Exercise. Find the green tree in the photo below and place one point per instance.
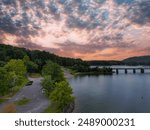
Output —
(54, 70)
(17, 66)
(4, 87)
(31, 66)
(48, 84)
(26, 59)
(62, 95)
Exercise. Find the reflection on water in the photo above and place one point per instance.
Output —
(117, 93)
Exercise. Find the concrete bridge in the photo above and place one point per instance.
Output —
(142, 69)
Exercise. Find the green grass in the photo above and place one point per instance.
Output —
(51, 109)
(3, 100)
(73, 72)
(22, 102)
(34, 75)
(13, 91)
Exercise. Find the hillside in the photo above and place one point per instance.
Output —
(40, 58)
(142, 60)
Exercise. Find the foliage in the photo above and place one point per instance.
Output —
(22, 101)
(3, 81)
(48, 84)
(2, 63)
(62, 95)
(31, 66)
(56, 87)
(12, 76)
(17, 66)
(39, 58)
(9, 108)
(54, 70)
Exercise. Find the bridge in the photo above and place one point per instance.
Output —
(142, 69)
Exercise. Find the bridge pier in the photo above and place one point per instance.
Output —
(117, 71)
(142, 70)
(134, 71)
(126, 71)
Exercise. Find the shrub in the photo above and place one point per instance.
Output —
(9, 108)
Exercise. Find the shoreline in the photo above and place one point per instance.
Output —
(70, 107)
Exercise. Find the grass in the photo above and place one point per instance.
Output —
(34, 75)
(17, 88)
(9, 108)
(73, 72)
(22, 101)
(51, 109)
(13, 91)
(3, 100)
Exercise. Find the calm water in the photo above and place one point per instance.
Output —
(116, 93)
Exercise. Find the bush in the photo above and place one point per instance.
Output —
(9, 108)
(54, 70)
(48, 84)
(22, 101)
(62, 95)
(17, 66)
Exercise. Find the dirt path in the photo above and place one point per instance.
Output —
(67, 74)
(33, 92)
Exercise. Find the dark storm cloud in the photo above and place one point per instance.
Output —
(139, 12)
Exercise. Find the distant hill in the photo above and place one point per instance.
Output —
(141, 60)
(144, 60)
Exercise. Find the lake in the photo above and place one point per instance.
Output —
(112, 93)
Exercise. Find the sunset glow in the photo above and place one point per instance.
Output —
(86, 29)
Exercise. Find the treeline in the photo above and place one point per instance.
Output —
(37, 58)
(56, 87)
(104, 63)
(129, 61)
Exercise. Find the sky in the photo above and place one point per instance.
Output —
(86, 29)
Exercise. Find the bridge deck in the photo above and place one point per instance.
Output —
(131, 68)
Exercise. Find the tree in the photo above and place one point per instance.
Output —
(54, 70)
(48, 84)
(17, 66)
(26, 59)
(62, 95)
(7, 81)
(3, 81)
(32, 67)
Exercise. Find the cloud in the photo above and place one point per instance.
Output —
(124, 1)
(78, 28)
(140, 12)
(9, 2)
